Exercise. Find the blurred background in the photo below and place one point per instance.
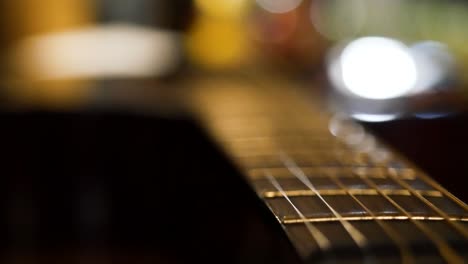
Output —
(372, 57)
(397, 66)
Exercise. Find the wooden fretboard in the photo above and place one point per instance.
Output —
(338, 192)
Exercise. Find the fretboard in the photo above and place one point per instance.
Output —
(337, 191)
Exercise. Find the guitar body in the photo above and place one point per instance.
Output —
(120, 185)
(116, 187)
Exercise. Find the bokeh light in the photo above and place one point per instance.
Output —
(217, 44)
(97, 52)
(372, 118)
(338, 19)
(378, 68)
(218, 39)
(279, 6)
(225, 9)
(435, 65)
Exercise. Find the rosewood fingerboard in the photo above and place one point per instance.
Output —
(337, 191)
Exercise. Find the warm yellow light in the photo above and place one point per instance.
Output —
(59, 94)
(223, 8)
(32, 17)
(218, 44)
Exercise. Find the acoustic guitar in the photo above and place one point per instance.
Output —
(248, 170)
(339, 194)
(213, 169)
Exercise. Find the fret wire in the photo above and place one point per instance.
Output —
(322, 241)
(455, 225)
(291, 137)
(376, 217)
(242, 141)
(372, 172)
(250, 167)
(251, 154)
(355, 234)
(402, 245)
(332, 192)
(446, 251)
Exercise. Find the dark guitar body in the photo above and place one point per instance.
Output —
(115, 187)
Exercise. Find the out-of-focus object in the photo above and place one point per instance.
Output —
(217, 44)
(57, 52)
(247, 34)
(113, 50)
(227, 9)
(444, 22)
(60, 42)
(173, 15)
(337, 19)
(395, 59)
(275, 6)
(379, 78)
(285, 37)
(435, 63)
(218, 39)
(23, 19)
(376, 68)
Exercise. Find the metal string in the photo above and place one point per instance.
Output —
(444, 248)
(406, 255)
(322, 241)
(461, 229)
(355, 234)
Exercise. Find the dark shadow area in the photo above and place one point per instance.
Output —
(111, 187)
(438, 146)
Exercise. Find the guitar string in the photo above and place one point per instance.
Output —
(444, 248)
(396, 204)
(421, 198)
(406, 255)
(432, 183)
(459, 228)
(355, 234)
(340, 218)
(441, 189)
(442, 245)
(322, 241)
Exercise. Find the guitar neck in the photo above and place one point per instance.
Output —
(336, 190)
